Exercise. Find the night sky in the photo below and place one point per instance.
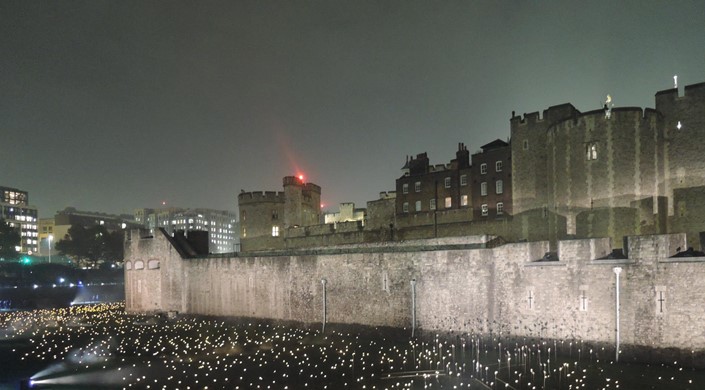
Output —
(114, 105)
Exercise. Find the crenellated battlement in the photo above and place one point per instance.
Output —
(673, 92)
(297, 181)
(292, 181)
(550, 115)
(312, 188)
(689, 91)
(618, 113)
(260, 196)
(526, 119)
(695, 90)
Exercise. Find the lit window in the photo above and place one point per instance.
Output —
(591, 150)
(463, 180)
(432, 204)
(483, 188)
(405, 207)
(449, 202)
(485, 210)
(417, 186)
(405, 188)
(418, 205)
(498, 166)
(275, 231)
(483, 168)
(499, 186)
(500, 208)
(447, 182)
(464, 200)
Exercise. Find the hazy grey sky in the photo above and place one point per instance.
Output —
(114, 105)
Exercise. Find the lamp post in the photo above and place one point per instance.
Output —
(325, 308)
(617, 271)
(413, 307)
(49, 238)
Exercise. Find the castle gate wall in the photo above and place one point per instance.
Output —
(470, 290)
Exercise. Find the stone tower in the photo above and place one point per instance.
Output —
(302, 204)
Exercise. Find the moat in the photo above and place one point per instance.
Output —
(100, 346)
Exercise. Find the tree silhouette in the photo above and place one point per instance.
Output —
(91, 245)
(9, 240)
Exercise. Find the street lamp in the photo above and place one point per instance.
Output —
(617, 271)
(49, 238)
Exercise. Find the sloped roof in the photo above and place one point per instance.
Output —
(498, 143)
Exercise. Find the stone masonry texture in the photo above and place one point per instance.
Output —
(460, 286)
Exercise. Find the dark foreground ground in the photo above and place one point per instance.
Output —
(100, 347)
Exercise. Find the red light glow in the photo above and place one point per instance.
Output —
(301, 177)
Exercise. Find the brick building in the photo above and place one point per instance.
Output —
(491, 175)
(432, 194)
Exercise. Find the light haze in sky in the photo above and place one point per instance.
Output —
(115, 105)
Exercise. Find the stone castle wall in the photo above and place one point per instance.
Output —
(459, 286)
(685, 151)
(626, 164)
(639, 154)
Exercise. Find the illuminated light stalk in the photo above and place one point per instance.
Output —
(413, 307)
(325, 311)
(49, 238)
(617, 271)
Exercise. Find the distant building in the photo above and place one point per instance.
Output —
(59, 226)
(222, 226)
(112, 222)
(347, 213)
(71, 216)
(19, 214)
(46, 230)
